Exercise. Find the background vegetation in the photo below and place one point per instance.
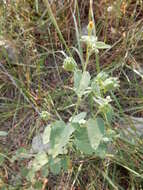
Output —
(33, 36)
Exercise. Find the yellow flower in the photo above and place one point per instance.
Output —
(91, 24)
(90, 27)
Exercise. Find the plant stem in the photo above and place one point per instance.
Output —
(97, 63)
(79, 169)
(77, 105)
(53, 19)
(87, 58)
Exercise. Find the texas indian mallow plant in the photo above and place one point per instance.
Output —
(87, 134)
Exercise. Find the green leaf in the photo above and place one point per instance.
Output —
(76, 126)
(40, 160)
(95, 88)
(77, 79)
(38, 185)
(24, 171)
(81, 82)
(45, 171)
(104, 82)
(78, 118)
(105, 108)
(110, 83)
(95, 130)
(82, 141)
(101, 151)
(46, 134)
(108, 111)
(60, 135)
(88, 39)
(55, 165)
(3, 133)
(110, 135)
(31, 174)
(21, 154)
(65, 163)
(102, 76)
(102, 45)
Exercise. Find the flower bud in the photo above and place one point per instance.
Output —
(90, 27)
(69, 64)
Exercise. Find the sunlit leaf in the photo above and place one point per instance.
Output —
(46, 134)
(102, 45)
(108, 111)
(78, 118)
(40, 160)
(110, 84)
(81, 82)
(95, 88)
(104, 83)
(101, 151)
(55, 165)
(66, 163)
(95, 130)
(82, 141)
(60, 135)
(89, 39)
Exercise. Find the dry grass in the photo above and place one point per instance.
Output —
(32, 80)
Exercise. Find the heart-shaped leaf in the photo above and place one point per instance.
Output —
(82, 141)
(95, 130)
(81, 82)
(55, 165)
(46, 134)
(59, 137)
(40, 160)
(78, 118)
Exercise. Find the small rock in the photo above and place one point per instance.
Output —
(137, 123)
(9, 48)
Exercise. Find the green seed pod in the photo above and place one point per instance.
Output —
(44, 115)
(69, 64)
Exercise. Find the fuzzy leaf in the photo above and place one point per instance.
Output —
(89, 39)
(46, 135)
(102, 45)
(95, 130)
(78, 118)
(101, 151)
(60, 135)
(82, 141)
(81, 82)
(40, 160)
(55, 165)
(95, 88)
